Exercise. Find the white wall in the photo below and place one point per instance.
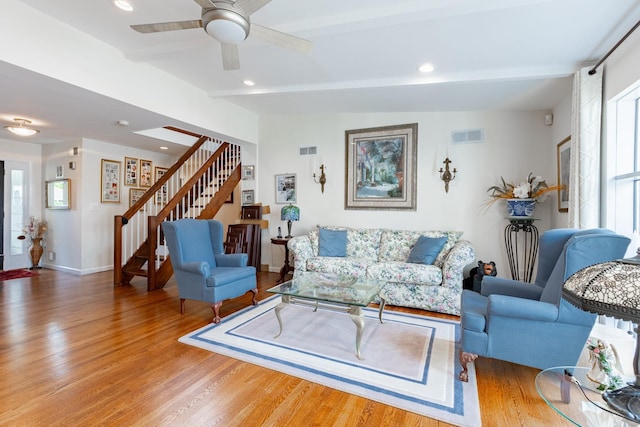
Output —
(82, 237)
(516, 143)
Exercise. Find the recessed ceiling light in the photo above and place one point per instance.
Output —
(125, 5)
(164, 148)
(426, 68)
(248, 82)
(22, 130)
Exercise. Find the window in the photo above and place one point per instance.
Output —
(622, 211)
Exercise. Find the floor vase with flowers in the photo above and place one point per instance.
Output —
(36, 252)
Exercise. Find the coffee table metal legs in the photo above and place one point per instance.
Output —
(355, 313)
(278, 309)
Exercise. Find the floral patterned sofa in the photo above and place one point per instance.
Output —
(382, 254)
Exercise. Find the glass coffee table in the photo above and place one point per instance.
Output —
(331, 292)
(571, 397)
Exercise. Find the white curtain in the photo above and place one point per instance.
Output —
(584, 178)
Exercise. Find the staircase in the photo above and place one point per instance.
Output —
(196, 186)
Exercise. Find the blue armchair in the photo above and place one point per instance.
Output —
(203, 271)
(531, 324)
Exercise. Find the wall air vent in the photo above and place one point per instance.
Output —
(469, 136)
(307, 151)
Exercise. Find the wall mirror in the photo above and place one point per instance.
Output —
(58, 194)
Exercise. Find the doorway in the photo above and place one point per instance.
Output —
(14, 205)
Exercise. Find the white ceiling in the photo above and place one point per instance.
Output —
(492, 54)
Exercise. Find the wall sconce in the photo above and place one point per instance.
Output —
(446, 174)
(323, 178)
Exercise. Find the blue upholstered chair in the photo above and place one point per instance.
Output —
(202, 269)
(531, 324)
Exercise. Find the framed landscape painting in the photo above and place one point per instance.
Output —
(381, 167)
(564, 164)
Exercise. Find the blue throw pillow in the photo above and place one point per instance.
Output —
(426, 250)
(332, 243)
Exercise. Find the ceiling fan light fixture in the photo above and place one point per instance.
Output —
(22, 130)
(226, 26)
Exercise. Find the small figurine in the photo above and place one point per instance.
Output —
(474, 281)
(279, 233)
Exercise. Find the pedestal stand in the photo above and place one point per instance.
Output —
(521, 241)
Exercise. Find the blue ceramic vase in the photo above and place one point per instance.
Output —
(521, 207)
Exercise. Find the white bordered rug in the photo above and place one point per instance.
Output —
(410, 361)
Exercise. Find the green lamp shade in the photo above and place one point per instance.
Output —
(290, 213)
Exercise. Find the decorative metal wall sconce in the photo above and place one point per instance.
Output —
(323, 178)
(446, 174)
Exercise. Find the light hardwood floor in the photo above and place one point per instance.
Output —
(77, 351)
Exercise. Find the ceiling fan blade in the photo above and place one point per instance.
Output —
(250, 6)
(284, 40)
(230, 57)
(205, 4)
(167, 26)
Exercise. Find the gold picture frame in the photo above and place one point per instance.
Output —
(146, 173)
(162, 195)
(131, 171)
(381, 167)
(135, 194)
(110, 181)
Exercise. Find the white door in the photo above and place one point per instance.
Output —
(16, 208)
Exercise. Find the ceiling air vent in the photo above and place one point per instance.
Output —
(469, 136)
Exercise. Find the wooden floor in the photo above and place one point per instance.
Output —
(77, 351)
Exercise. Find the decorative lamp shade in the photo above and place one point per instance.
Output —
(290, 213)
(613, 289)
(609, 288)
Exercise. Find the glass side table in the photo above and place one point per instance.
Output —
(581, 405)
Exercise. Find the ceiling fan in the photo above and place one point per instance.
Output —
(228, 22)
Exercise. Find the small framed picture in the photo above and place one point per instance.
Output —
(130, 171)
(286, 188)
(146, 173)
(247, 197)
(162, 195)
(110, 181)
(135, 194)
(248, 172)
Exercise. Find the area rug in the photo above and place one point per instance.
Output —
(16, 274)
(410, 361)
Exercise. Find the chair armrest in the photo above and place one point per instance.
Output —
(497, 285)
(202, 268)
(232, 260)
(460, 255)
(508, 306)
(300, 248)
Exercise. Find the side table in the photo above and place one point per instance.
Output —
(582, 407)
(523, 249)
(286, 268)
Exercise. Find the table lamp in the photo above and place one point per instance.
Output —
(613, 289)
(290, 213)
